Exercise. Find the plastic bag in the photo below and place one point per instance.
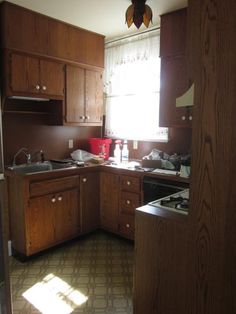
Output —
(81, 155)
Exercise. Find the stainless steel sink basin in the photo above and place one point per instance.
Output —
(39, 167)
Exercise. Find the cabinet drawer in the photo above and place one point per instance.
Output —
(129, 201)
(53, 185)
(126, 226)
(130, 184)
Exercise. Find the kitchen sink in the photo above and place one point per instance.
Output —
(39, 167)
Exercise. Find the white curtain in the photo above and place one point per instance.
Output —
(132, 81)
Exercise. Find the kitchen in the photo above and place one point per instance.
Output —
(204, 165)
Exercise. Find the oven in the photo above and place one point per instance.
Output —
(156, 188)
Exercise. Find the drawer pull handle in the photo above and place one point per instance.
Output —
(128, 183)
(84, 179)
(59, 198)
(128, 202)
(44, 87)
(53, 200)
(37, 87)
(183, 118)
(127, 225)
(190, 118)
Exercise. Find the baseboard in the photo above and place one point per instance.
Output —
(9, 248)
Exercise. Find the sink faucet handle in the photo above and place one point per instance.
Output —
(42, 156)
(28, 156)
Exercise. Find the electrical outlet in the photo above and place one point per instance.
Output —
(71, 143)
(135, 144)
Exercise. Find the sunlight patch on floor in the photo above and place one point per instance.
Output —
(54, 295)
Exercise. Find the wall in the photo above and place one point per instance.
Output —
(31, 131)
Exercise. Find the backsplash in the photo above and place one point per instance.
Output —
(28, 130)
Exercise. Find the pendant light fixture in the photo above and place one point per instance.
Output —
(138, 12)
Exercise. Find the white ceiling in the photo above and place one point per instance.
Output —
(106, 17)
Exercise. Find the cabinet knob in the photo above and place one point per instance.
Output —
(84, 180)
(128, 202)
(183, 118)
(59, 198)
(128, 183)
(53, 200)
(37, 87)
(127, 225)
(190, 118)
(44, 87)
(87, 117)
(82, 117)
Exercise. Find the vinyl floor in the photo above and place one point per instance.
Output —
(91, 275)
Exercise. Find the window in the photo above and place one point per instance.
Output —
(132, 82)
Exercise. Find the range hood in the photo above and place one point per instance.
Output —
(186, 100)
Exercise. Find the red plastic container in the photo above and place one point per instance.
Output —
(100, 146)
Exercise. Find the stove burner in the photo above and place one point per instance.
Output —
(177, 202)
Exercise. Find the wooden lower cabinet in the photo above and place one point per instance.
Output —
(109, 201)
(160, 264)
(89, 201)
(43, 212)
(120, 195)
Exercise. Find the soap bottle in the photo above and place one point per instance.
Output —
(117, 151)
(125, 152)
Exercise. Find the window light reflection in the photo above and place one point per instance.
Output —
(53, 295)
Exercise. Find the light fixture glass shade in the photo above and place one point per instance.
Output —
(138, 12)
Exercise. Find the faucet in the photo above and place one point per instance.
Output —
(24, 151)
(38, 152)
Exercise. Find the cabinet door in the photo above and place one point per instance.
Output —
(89, 187)
(23, 29)
(109, 201)
(24, 74)
(173, 33)
(51, 78)
(40, 224)
(174, 82)
(67, 215)
(94, 97)
(75, 94)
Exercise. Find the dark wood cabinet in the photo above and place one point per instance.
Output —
(160, 263)
(109, 201)
(89, 201)
(23, 29)
(175, 78)
(46, 212)
(130, 199)
(174, 82)
(33, 76)
(31, 32)
(84, 96)
(119, 195)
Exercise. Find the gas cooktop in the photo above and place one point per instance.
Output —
(178, 202)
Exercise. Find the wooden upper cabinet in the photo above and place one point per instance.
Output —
(28, 76)
(175, 78)
(84, 96)
(173, 33)
(23, 29)
(93, 96)
(75, 94)
(51, 77)
(174, 82)
(31, 32)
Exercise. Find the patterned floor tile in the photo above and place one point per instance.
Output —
(98, 267)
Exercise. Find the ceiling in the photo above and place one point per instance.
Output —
(106, 17)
